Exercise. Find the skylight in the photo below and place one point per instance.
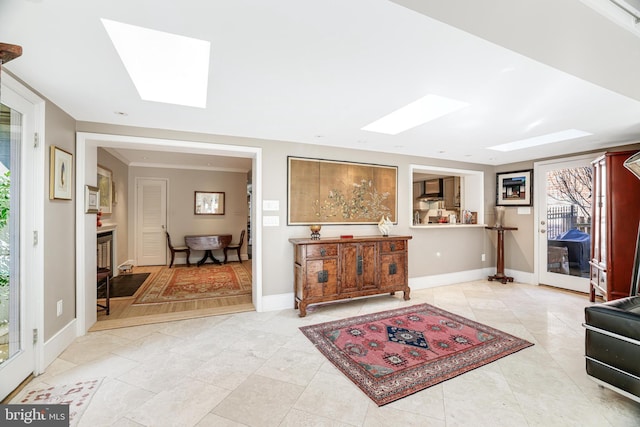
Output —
(164, 67)
(425, 109)
(549, 138)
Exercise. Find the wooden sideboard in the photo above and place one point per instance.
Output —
(332, 269)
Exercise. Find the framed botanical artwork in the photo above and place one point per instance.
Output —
(208, 203)
(105, 186)
(60, 174)
(91, 199)
(336, 192)
(514, 188)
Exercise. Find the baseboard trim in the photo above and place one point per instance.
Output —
(426, 282)
(53, 347)
(285, 301)
(277, 302)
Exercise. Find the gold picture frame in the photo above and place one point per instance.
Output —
(105, 185)
(338, 192)
(60, 174)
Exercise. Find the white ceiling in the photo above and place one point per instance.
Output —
(317, 71)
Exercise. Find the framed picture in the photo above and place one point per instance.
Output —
(209, 203)
(337, 192)
(514, 188)
(60, 174)
(91, 199)
(105, 180)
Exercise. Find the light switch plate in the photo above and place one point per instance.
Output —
(270, 221)
(271, 205)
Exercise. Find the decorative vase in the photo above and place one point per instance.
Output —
(315, 231)
(499, 211)
(384, 226)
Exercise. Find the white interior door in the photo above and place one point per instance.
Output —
(151, 221)
(19, 193)
(563, 214)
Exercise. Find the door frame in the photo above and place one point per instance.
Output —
(32, 178)
(87, 144)
(538, 194)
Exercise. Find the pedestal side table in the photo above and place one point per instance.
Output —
(500, 276)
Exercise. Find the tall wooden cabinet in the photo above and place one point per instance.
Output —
(616, 214)
(333, 269)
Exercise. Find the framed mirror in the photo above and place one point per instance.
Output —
(209, 203)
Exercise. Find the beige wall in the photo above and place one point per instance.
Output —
(181, 220)
(119, 214)
(59, 230)
(460, 249)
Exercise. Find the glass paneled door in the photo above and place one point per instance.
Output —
(17, 356)
(563, 199)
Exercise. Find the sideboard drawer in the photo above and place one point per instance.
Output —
(392, 246)
(322, 251)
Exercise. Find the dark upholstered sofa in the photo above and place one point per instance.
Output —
(612, 345)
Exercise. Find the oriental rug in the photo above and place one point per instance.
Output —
(395, 353)
(77, 396)
(192, 283)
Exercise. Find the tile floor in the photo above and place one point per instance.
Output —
(257, 369)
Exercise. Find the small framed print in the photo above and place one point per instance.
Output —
(105, 184)
(514, 188)
(60, 174)
(209, 203)
(91, 199)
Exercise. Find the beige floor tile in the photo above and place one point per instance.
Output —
(386, 416)
(296, 418)
(292, 366)
(113, 399)
(213, 420)
(259, 401)
(335, 397)
(228, 369)
(258, 369)
(183, 405)
(160, 372)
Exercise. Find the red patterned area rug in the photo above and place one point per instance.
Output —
(77, 396)
(395, 353)
(191, 283)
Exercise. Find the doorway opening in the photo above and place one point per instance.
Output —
(87, 159)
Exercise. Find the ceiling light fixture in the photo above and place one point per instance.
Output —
(421, 111)
(164, 67)
(549, 138)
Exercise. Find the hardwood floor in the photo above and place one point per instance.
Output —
(123, 313)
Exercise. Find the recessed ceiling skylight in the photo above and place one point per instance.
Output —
(541, 140)
(164, 67)
(423, 110)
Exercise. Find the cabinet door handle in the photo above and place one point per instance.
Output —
(393, 268)
(323, 276)
(323, 252)
(359, 265)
